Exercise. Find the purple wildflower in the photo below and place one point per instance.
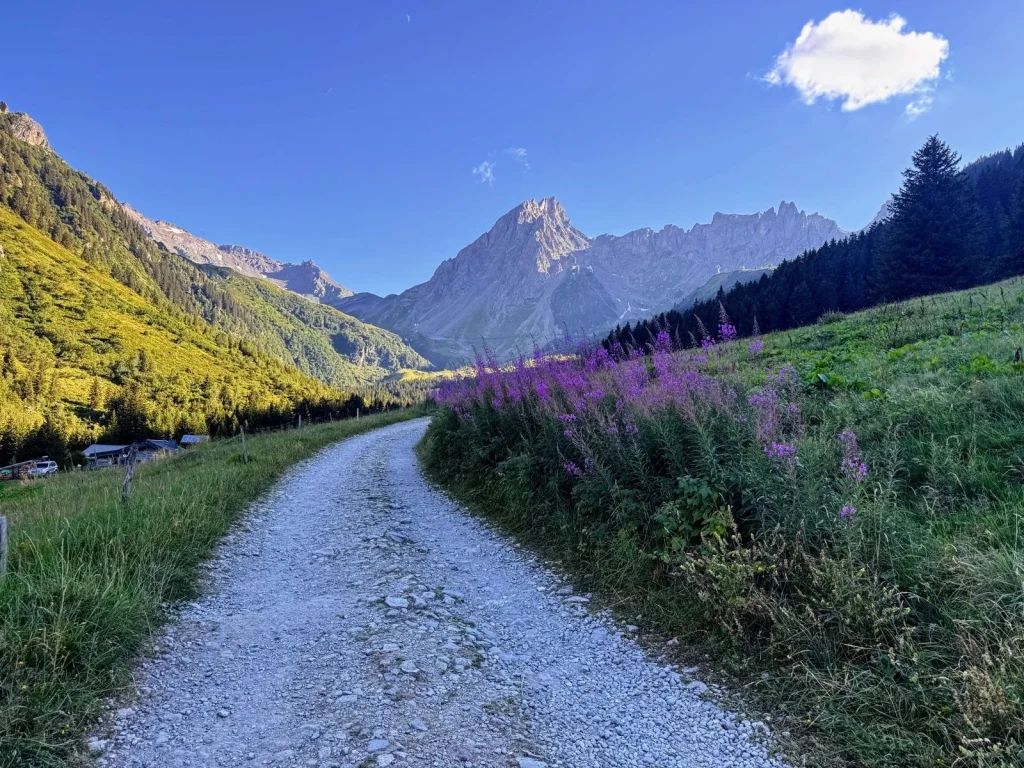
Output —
(756, 347)
(847, 512)
(572, 468)
(853, 465)
(782, 451)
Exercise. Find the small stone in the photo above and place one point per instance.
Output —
(162, 738)
(566, 590)
(377, 745)
(409, 667)
(529, 762)
(96, 746)
(696, 686)
(418, 725)
(577, 599)
(393, 601)
(223, 713)
(385, 759)
(125, 712)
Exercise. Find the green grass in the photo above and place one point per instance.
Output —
(89, 576)
(893, 639)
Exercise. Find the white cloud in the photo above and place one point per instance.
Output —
(847, 56)
(918, 107)
(519, 155)
(485, 173)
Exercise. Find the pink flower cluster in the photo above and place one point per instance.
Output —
(594, 394)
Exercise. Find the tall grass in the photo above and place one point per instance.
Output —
(89, 576)
(840, 506)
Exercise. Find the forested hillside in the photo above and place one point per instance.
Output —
(105, 335)
(949, 229)
(82, 215)
(83, 356)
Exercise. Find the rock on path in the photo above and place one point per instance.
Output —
(360, 618)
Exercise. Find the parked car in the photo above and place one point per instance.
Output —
(43, 468)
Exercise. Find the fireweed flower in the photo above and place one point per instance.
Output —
(727, 332)
(572, 468)
(847, 512)
(756, 347)
(780, 451)
(853, 465)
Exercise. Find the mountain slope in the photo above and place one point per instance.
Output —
(305, 279)
(82, 215)
(723, 281)
(534, 276)
(75, 342)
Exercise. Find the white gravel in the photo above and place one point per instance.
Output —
(360, 618)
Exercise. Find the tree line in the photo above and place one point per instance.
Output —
(949, 228)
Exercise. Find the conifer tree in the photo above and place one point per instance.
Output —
(933, 240)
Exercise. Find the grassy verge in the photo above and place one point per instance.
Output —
(89, 576)
(845, 534)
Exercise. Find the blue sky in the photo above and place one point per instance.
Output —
(349, 132)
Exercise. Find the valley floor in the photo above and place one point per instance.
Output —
(360, 618)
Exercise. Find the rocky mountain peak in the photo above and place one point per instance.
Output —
(23, 127)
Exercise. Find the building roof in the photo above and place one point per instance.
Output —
(160, 445)
(99, 449)
(193, 439)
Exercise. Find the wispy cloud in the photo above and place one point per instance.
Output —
(485, 173)
(848, 57)
(519, 155)
(918, 107)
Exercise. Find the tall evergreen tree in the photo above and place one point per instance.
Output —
(934, 240)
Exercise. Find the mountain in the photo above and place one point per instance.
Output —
(534, 277)
(948, 228)
(88, 300)
(723, 281)
(305, 279)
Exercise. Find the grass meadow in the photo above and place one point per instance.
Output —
(89, 576)
(835, 514)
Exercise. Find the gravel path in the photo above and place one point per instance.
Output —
(360, 618)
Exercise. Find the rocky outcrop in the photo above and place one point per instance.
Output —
(534, 277)
(24, 128)
(305, 279)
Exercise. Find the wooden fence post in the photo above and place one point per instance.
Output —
(126, 489)
(357, 413)
(3, 545)
(300, 425)
(245, 449)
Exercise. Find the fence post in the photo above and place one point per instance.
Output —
(245, 449)
(126, 489)
(357, 413)
(300, 425)
(3, 545)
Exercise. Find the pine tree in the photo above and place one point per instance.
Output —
(933, 242)
(96, 395)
